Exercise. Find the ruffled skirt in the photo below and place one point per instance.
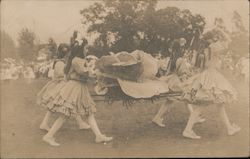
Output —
(49, 92)
(208, 87)
(74, 98)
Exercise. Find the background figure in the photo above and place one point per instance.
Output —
(52, 47)
(176, 50)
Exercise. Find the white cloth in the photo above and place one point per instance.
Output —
(150, 64)
(146, 89)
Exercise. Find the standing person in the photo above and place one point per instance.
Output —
(209, 87)
(181, 69)
(50, 90)
(176, 51)
(52, 47)
(74, 98)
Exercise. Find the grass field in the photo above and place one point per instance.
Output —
(134, 134)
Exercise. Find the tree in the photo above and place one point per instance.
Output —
(26, 48)
(171, 23)
(126, 25)
(240, 40)
(8, 48)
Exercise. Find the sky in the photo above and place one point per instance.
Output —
(59, 18)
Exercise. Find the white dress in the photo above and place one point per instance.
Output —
(210, 86)
(53, 87)
(74, 97)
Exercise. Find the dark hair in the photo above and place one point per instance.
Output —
(175, 54)
(60, 52)
(200, 60)
(76, 51)
(84, 41)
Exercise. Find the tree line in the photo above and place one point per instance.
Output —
(127, 25)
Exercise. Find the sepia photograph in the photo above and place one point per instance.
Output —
(124, 78)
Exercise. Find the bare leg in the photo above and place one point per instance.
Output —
(82, 124)
(199, 118)
(188, 131)
(231, 128)
(44, 125)
(158, 119)
(190, 108)
(99, 136)
(49, 137)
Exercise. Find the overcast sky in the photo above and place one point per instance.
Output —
(58, 18)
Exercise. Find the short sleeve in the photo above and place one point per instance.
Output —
(79, 65)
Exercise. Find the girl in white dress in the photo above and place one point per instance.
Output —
(51, 89)
(74, 98)
(176, 81)
(209, 86)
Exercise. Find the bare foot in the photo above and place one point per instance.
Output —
(234, 129)
(190, 134)
(159, 122)
(103, 138)
(44, 127)
(50, 140)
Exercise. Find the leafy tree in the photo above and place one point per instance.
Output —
(126, 25)
(26, 49)
(172, 23)
(8, 48)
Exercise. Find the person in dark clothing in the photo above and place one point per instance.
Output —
(52, 47)
(73, 41)
(176, 51)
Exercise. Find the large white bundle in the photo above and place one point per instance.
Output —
(147, 89)
(148, 86)
(149, 63)
(137, 65)
(121, 65)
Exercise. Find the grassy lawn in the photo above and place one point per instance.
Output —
(134, 134)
